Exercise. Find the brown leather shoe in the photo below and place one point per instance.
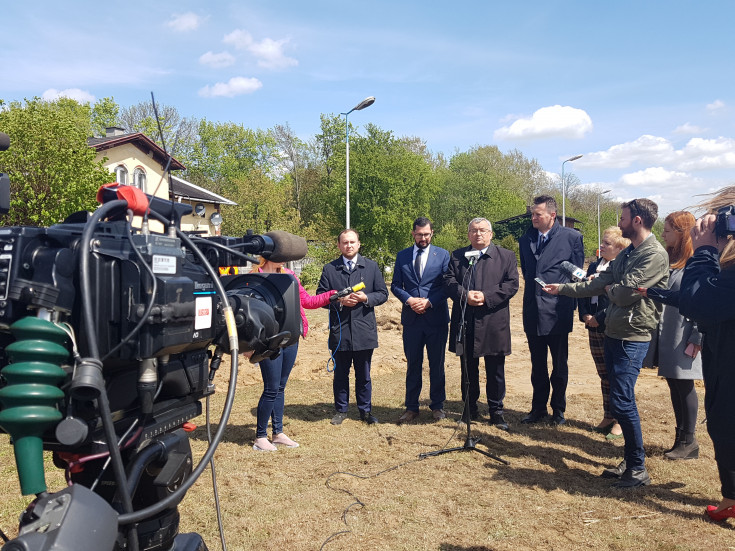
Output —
(438, 414)
(407, 417)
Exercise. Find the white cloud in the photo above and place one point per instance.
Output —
(236, 86)
(239, 39)
(705, 154)
(184, 22)
(556, 120)
(74, 93)
(715, 105)
(221, 59)
(687, 128)
(646, 149)
(269, 53)
(670, 189)
(654, 176)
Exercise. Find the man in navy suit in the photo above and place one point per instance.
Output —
(548, 319)
(418, 282)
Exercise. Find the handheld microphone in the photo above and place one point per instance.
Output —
(347, 290)
(472, 256)
(4, 141)
(575, 273)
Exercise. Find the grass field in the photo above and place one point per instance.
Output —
(364, 487)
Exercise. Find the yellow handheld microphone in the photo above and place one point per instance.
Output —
(346, 291)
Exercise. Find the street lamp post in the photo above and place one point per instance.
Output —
(598, 219)
(367, 102)
(564, 191)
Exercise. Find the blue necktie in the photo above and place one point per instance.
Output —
(417, 264)
(349, 265)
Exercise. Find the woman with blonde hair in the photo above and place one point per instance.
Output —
(275, 372)
(707, 295)
(592, 313)
(679, 341)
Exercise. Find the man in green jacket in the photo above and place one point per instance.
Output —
(629, 321)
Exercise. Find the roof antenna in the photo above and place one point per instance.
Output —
(166, 170)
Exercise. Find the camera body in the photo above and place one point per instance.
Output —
(157, 354)
(725, 223)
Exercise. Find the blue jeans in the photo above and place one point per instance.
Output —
(275, 375)
(624, 360)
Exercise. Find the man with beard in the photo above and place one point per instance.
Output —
(629, 321)
(548, 320)
(418, 282)
(481, 280)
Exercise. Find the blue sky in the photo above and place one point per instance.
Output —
(644, 90)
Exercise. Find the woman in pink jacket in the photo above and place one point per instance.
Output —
(275, 372)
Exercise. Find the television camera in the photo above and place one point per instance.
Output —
(110, 337)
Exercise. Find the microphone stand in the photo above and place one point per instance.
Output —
(470, 442)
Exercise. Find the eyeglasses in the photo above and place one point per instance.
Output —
(423, 235)
(480, 231)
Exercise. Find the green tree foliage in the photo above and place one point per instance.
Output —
(482, 182)
(263, 205)
(105, 113)
(225, 153)
(52, 170)
(390, 185)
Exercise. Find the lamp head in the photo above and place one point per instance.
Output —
(367, 102)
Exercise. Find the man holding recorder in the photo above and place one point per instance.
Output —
(628, 324)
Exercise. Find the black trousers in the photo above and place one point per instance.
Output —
(494, 386)
(543, 383)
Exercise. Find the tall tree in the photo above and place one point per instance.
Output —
(390, 185)
(105, 113)
(292, 154)
(52, 170)
(481, 182)
(179, 133)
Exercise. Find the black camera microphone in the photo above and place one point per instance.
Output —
(575, 273)
(285, 247)
(473, 256)
(4, 141)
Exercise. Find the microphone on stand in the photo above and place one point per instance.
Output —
(472, 256)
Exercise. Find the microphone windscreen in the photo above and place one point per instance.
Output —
(4, 141)
(286, 247)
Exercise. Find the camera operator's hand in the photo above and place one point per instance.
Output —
(552, 288)
(703, 233)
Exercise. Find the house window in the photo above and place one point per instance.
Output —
(121, 175)
(139, 179)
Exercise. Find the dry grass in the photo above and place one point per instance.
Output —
(365, 488)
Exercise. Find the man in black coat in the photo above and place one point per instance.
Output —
(548, 319)
(353, 332)
(481, 280)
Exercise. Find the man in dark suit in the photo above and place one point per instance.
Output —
(481, 280)
(418, 282)
(548, 319)
(353, 332)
